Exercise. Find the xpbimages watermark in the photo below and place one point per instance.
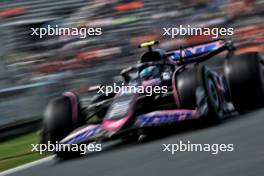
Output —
(192, 147)
(82, 32)
(183, 30)
(147, 90)
(58, 147)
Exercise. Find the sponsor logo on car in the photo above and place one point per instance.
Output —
(196, 50)
(160, 117)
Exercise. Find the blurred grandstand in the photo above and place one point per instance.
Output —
(57, 63)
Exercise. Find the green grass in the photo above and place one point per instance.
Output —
(17, 151)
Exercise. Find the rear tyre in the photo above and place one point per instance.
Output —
(200, 78)
(245, 75)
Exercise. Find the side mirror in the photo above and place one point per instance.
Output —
(94, 88)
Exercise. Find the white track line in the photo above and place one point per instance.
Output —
(25, 166)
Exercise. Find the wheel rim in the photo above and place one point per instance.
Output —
(213, 93)
(262, 75)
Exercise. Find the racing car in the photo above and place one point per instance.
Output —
(205, 82)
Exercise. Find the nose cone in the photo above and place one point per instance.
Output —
(114, 124)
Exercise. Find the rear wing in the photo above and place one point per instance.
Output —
(200, 52)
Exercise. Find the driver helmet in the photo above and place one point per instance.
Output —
(150, 72)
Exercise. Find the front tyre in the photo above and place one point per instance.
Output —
(63, 115)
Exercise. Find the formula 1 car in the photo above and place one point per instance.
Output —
(201, 84)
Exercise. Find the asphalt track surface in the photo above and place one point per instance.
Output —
(133, 159)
